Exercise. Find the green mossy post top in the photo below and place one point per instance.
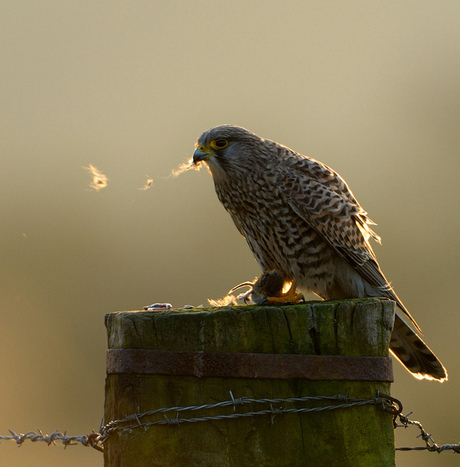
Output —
(347, 327)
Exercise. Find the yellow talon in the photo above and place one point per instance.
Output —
(287, 297)
(268, 289)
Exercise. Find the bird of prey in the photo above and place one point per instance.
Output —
(301, 219)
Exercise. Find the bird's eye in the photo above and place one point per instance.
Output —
(219, 143)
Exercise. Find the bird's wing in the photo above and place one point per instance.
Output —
(340, 224)
(320, 197)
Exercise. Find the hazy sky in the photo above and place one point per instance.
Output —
(370, 88)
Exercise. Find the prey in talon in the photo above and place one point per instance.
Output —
(268, 290)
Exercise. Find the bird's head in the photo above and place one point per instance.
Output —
(226, 148)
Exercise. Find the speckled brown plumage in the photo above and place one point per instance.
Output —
(300, 218)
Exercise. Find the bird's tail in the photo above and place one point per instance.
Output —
(414, 354)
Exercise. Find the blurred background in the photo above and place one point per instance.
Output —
(370, 88)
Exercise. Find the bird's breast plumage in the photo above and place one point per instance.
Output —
(278, 238)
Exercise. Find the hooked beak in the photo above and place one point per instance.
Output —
(202, 153)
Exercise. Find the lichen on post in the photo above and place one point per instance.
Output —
(182, 358)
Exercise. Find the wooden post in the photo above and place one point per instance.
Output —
(182, 358)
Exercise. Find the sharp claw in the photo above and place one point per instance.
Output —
(265, 287)
(288, 297)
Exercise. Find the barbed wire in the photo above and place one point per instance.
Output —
(133, 421)
(143, 420)
(86, 440)
(430, 444)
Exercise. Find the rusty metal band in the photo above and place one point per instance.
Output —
(249, 365)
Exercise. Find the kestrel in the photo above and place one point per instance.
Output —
(300, 218)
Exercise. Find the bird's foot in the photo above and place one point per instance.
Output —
(289, 297)
(268, 289)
